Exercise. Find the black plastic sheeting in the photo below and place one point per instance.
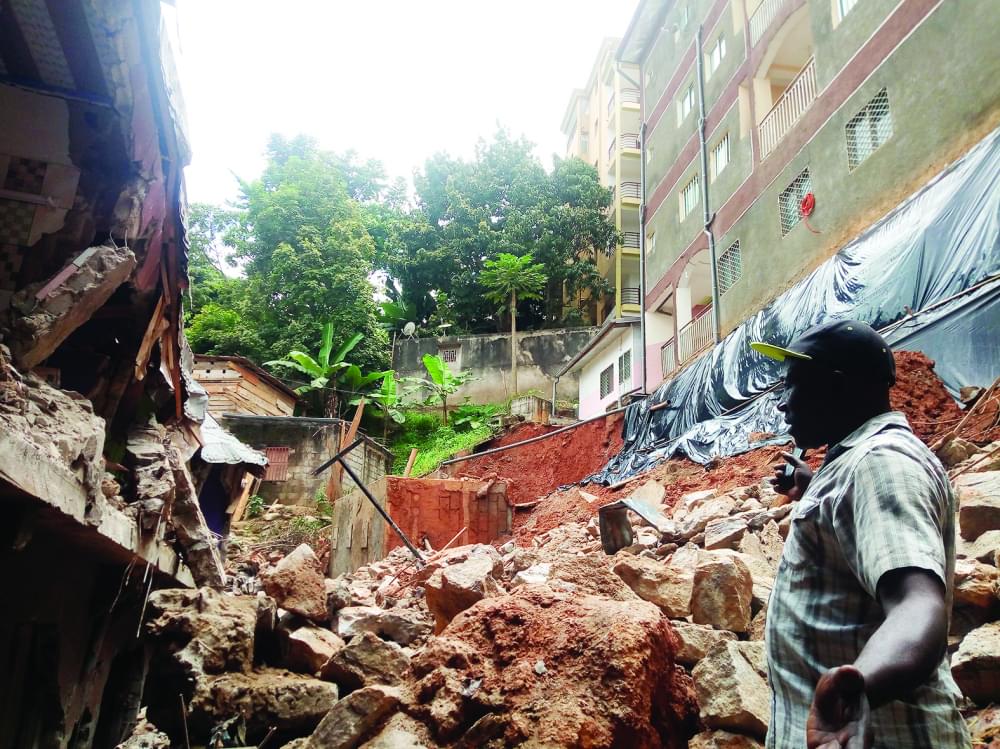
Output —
(936, 255)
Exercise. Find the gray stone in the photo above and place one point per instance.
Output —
(402, 626)
(348, 722)
(724, 533)
(296, 583)
(309, 647)
(365, 661)
(451, 590)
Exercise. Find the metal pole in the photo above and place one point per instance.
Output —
(708, 217)
(381, 511)
(338, 456)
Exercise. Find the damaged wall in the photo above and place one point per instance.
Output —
(310, 443)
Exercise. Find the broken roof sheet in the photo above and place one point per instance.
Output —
(219, 446)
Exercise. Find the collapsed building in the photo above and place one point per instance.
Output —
(111, 484)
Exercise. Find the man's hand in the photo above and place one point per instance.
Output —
(839, 715)
(795, 486)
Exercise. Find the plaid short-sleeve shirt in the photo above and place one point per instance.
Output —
(880, 502)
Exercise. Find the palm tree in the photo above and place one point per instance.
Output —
(507, 278)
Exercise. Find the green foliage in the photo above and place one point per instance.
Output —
(440, 382)
(386, 398)
(472, 416)
(434, 441)
(255, 507)
(324, 369)
(513, 276)
(323, 506)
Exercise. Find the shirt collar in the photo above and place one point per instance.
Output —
(874, 425)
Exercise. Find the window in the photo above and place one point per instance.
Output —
(720, 156)
(584, 143)
(689, 197)
(651, 244)
(450, 355)
(714, 57)
(685, 104)
(730, 267)
(607, 380)
(277, 463)
(685, 16)
(844, 6)
(625, 369)
(868, 129)
(790, 201)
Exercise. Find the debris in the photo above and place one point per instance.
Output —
(453, 588)
(697, 641)
(979, 503)
(349, 720)
(403, 626)
(669, 586)
(722, 591)
(309, 647)
(731, 692)
(296, 583)
(976, 665)
(367, 660)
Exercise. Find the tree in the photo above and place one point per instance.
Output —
(440, 381)
(507, 278)
(323, 370)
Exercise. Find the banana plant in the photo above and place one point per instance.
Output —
(386, 399)
(440, 381)
(323, 369)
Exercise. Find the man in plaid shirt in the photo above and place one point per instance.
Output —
(857, 622)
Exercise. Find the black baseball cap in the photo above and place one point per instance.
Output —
(848, 346)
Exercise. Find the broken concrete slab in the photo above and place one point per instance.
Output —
(366, 661)
(296, 583)
(976, 664)
(731, 692)
(345, 726)
(979, 503)
(722, 592)
(44, 323)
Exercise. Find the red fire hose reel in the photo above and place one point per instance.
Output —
(806, 207)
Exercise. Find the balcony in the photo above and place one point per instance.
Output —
(631, 96)
(763, 17)
(791, 105)
(630, 190)
(668, 358)
(630, 296)
(630, 240)
(696, 336)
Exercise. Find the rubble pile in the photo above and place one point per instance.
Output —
(545, 639)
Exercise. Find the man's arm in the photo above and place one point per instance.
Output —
(901, 654)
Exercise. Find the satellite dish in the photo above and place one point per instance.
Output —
(409, 329)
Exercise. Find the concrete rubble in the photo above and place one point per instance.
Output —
(550, 643)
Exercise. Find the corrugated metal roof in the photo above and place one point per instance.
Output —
(222, 447)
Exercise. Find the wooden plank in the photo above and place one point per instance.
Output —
(155, 328)
(409, 462)
(248, 491)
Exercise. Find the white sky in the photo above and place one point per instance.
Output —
(395, 80)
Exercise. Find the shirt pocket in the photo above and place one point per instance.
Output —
(801, 547)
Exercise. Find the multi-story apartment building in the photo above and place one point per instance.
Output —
(601, 124)
(773, 131)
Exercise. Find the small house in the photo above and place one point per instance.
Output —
(236, 385)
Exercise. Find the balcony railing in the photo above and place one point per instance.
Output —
(630, 295)
(668, 357)
(695, 336)
(762, 18)
(790, 106)
(628, 140)
(630, 96)
(631, 190)
(630, 239)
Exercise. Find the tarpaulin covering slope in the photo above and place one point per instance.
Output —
(942, 241)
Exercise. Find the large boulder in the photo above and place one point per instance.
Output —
(452, 589)
(732, 692)
(296, 583)
(266, 698)
(542, 667)
(590, 574)
(976, 584)
(345, 726)
(365, 661)
(698, 640)
(309, 647)
(667, 584)
(979, 503)
(401, 625)
(723, 588)
(983, 549)
(976, 665)
(216, 631)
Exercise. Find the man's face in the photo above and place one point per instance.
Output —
(810, 403)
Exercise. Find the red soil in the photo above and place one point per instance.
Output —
(918, 393)
(536, 469)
